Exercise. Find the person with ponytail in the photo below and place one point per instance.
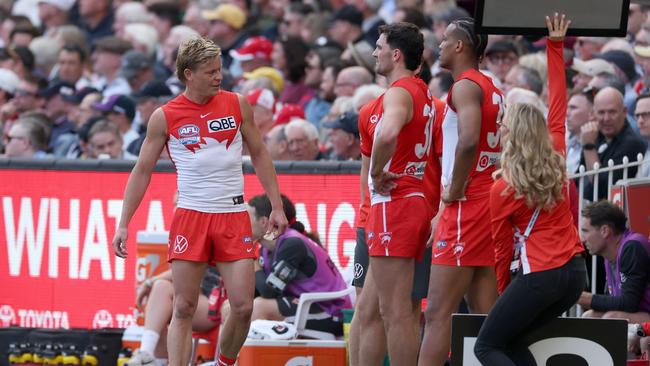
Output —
(290, 265)
(530, 197)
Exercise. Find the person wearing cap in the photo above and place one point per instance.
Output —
(625, 69)
(149, 98)
(106, 62)
(9, 82)
(60, 100)
(136, 68)
(105, 142)
(587, 70)
(54, 13)
(346, 25)
(501, 56)
(287, 112)
(70, 66)
(253, 54)
(343, 136)
(371, 18)
(95, 19)
(120, 110)
(263, 103)
(273, 75)
(226, 23)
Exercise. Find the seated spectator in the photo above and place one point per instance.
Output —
(26, 139)
(525, 78)
(440, 84)
(609, 137)
(150, 97)
(287, 113)
(642, 116)
(23, 34)
(54, 13)
(579, 107)
(194, 20)
(277, 144)
(289, 58)
(365, 94)
(155, 296)
(346, 26)
(95, 19)
(627, 264)
(9, 82)
(343, 136)
(226, 29)
(170, 45)
(253, 54)
(587, 70)
(129, 12)
(70, 66)
(625, 69)
(500, 57)
(143, 37)
(105, 142)
(136, 68)
(273, 75)
(289, 266)
(69, 145)
(349, 79)
(303, 142)
(61, 99)
(106, 62)
(120, 110)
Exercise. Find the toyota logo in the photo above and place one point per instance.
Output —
(180, 244)
(7, 316)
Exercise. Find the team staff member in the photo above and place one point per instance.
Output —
(398, 151)
(531, 198)
(203, 130)
(627, 265)
(463, 254)
(291, 265)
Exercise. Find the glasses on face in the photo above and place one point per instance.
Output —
(498, 59)
(9, 138)
(642, 115)
(24, 93)
(298, 142)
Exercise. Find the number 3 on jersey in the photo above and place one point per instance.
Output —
(493, 138)
(423, 149)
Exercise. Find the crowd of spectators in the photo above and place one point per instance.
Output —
(80, 78)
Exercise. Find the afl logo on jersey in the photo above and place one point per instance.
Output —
(189, 134)
(222, 124)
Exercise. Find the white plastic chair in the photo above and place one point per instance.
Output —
(302, 313)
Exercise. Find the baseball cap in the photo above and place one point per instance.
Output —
(113, 44)
(348, 122)
(502, 45)
(227, 13)
(622, 60)
(362, 54)
(261, 97)
(64, 5)
(117, 103)
(254, 47)
(267, 72)
(288, 112)
(592, 67)
(643, 51)
(64, 88)
(80, 94)
(133, 62)
(153, 89)
(348, 13)
(9, 81)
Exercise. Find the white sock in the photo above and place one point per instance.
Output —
(161, 361)
(149, 341)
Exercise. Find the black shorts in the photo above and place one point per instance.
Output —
(317, 318)
(420, 276)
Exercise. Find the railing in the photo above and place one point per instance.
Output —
(583, 174)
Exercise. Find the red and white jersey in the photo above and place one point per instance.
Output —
(413, 142)
(204, 142)
(480, 179)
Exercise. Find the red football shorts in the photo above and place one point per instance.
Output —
(210, 237)
(463, 236)
(398, 228)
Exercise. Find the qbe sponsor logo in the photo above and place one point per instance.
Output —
(222, 124)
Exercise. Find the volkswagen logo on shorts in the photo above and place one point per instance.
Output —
(102, 319)
(7, 316)
(180, 244)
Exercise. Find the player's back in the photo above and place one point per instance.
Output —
(489, 149)
(205, 145)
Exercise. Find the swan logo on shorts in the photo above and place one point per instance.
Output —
(180, 244)
(189, 134)
(385, 238)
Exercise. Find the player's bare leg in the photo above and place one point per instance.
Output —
(372, 344)
(447, 286)
(482, 292)
(186, 277)
(396, 278)
(239, 279)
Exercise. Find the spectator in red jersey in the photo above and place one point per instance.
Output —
(530, 198)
